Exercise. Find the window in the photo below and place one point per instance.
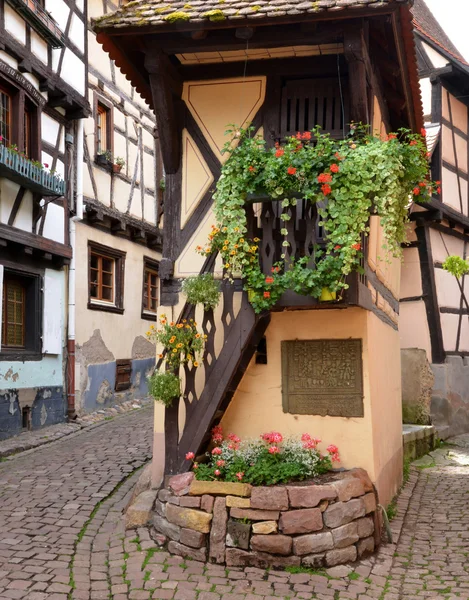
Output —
(21, 315)
(123, 374)
(27, 133)
(106, 278)
(150, 289)
(5, 117)
(103, 126)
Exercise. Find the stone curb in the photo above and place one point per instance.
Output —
(24, 447)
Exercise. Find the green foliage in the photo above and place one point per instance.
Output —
(164, 387)
(119, 161)
(347, 179)
(178, 16)
(181, 341)
(214, 15)
(107, 154)
(456, 265)
(202, 289)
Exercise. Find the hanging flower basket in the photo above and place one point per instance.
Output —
(347, 180)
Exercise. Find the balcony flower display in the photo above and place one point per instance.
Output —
(349, 180)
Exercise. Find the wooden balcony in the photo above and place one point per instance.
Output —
(23, 172)
(40, 20)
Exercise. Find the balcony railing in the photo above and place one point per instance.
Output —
(22, 171)
(40, 20)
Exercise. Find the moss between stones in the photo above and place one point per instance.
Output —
(215, 15)
(176, 17)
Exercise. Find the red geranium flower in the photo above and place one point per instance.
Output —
(422, 184)
(298, 136)
(325, 178)
(46, 165)
(307, 135)
(291, 170)
(423, 132)
(266, 294)
(280, 152)
(269, 279)
(438, 190)
(190, 456)
(252, 169)
(416, 191)
(217, 472)
(337, 155)
(274, 450)
(392, 136)
(413, 143)
(337, 247)
(356, 246)
(240, 475)
(334, 168)
(326, 189)
(217, 451)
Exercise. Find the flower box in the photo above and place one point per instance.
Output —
(40, 20)
(21, 170)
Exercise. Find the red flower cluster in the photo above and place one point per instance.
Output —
(275, 269)
(266, 294)
(356, 246)
(217, 434)
(391, 136)
(413, 143)
(334, 168)
(334, 452)
(190, 456)
(326, 189)
(280, 152)
(337, 247)
(252, 169)
(309, 443)
(274, 437)
(274, 450)
(291, 170)
(303, 136)
(269, 279)
(240, 475)
(217, 451)
(325, 178)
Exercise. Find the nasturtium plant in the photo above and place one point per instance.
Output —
(164, 387)
(351, 178)
(456, 265)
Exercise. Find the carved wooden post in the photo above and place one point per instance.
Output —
(354, 49)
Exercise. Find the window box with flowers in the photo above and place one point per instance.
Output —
(31, 174)
(344, 180)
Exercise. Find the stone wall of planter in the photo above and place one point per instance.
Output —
(241, 525)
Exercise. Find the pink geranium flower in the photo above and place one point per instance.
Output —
(274, 450)
(217, 451)
(190, 456)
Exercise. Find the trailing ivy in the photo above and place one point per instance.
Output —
(352, 179)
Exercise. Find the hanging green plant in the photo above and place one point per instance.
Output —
(353, 178)
(202, 289)
(456, 265)
(164, 387)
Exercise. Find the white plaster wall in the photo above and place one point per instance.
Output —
(97, 57)
(77, 32)
(14, 24)
(435, 57)
(54, 223)
(73, 71)
(39, 47)
(59, 11)
(8, 59)
(426, 94)
(49, 129)
(24, 218)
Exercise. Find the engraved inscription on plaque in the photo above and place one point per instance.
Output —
(322, 377)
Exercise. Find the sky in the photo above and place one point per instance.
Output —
(453, 16)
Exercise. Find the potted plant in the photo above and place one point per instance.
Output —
(104, 158)
(119, 162)
(202, 289)
(165, 387)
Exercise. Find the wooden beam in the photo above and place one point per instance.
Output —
(31, 240)
(354, 49)
(163, 79)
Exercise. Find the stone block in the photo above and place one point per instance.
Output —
(238, 535)
(206, 503)
(218, 531)
(362, 475)
(261, 560)
(313, 543)
(160, 508)
(345, 535)
(342, 513)
(199, 554)
(314, 561)
(164, 495)
(192, 538)
(189, 502)
(168, 529)
(189, 518)
(349, 488)
(365, 527)
(365, 547)
(238, 502)
(273, 544)
(140, 512)
(269, 498)
(220, 488)
(341, 556)
(310, 496)
(181, 483)
(265, 527)
(254, 515)
(417, 385)
(301, 521)
(370, 502)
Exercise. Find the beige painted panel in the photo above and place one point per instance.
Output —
(118, 331)
(443, 244)
(149, 208)
(411, 236)
(447, 289)
(461, 152)
(411, 275)
(121, 194)
(98, 58)
(458, 111)
(216, 104)
(386, 406)
(103, 185)
(149, 170)
(196, 177)
(378, 126)
(450, 189)
(259, 394)
(413, 327)
(464, 340)
(387, 268)
(449, 325)
(447, 151)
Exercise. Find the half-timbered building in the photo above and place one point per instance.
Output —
(43, 87)
(434, 304)
(118, 243)
(283, 66)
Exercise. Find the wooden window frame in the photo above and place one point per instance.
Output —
(20, 103)
(117, 306)
(123, 367)
(149, 264)
(33, 284)
(99, 101)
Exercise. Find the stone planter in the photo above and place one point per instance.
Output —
(314, 525)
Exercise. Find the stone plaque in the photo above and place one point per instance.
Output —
(237, 535)
(322, 377)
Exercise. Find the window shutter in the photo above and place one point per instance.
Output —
(1, 304)
(52, 321)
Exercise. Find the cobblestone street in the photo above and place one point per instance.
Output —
(62, 534)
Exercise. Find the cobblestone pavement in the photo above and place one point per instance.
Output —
(62, 535)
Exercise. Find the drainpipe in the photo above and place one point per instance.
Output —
(72, 272)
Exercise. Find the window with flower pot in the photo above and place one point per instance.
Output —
(106, 278)
(19, 120)
(150, 289)
(103, 130)
(5, 115)
(21, 315)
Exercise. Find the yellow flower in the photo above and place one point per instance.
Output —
(197, 336)
(174, 351)
(196, 364)
(236, 246)
(257, 240)
(236, 228)
(152, 327)
(233, 252)
(184, 320)
(179, 325)
(188, 326)
(179, 345)
(227, 266)
(172, 340)
(205, 336)
(160, 356)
